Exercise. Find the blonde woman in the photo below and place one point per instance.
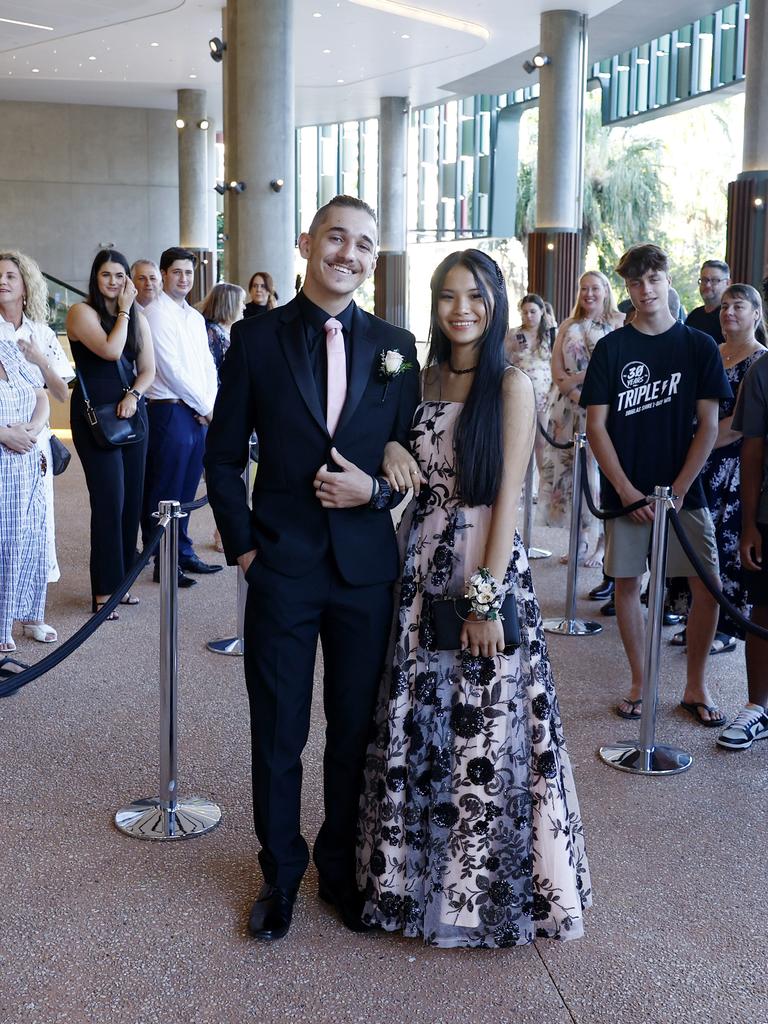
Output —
(594, 315)
(221, 307)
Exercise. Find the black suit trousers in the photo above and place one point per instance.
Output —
(284, 618)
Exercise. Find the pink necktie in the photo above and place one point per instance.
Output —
(337, 372)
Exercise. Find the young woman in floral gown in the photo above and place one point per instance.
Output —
(470, 833)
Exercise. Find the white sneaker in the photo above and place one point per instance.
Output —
(749, 725)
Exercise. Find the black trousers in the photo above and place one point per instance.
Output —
(283, 619)
(115, 480)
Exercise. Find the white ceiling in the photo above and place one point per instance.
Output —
(100, 51)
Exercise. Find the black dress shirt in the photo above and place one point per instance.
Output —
(314, 319)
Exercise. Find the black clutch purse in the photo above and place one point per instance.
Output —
(450, 614)
(60, 455)
(107, 428)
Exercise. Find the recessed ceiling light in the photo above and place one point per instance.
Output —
(317, 14)
(35, 71)
(339, 81)
(326, 51)
(405, 36)
(91, 58)
(154, 44)
(193, 76)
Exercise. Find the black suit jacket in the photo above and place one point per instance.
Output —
(267, 386)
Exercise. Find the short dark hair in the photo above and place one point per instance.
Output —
(720, 265)
(639, 259)
(176, 253)
(350, 202)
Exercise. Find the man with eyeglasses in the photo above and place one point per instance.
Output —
(714, 278)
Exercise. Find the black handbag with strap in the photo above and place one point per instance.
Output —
(450, 614)
(108, 429)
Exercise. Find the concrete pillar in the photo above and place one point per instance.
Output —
(561, 106)
(259, 140)
(755, 107)
(193, 170)
(555, 247)
(212, 195)
(391, 276)
(746, 249)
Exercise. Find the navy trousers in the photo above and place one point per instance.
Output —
(174, 464)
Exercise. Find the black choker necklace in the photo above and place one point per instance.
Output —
(459, 373)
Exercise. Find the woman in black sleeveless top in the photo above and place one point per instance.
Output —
(106, 329)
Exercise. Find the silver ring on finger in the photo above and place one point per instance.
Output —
(322, 485)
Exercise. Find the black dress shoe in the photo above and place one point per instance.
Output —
(609, 608)
(183, 581)
(197, 565)
(271, 913)
(349, 903)
(602, 591)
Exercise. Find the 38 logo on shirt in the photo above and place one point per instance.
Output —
(635, 374)
(642, 393)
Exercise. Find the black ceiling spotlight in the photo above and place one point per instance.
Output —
(229, 186)
(276, 184)
(236, 186)
(539, 60)
(217, 49)
(220, 187)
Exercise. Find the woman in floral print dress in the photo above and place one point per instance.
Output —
(470, 833)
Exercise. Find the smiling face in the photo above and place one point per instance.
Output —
(178, 279)
(738, 317)
(148, 284)
(110, 279)
(649, 293)
(340, 255)
(591, 295)
(461, 312)
(530, 315)
(11, 285)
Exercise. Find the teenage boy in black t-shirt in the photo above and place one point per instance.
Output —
(651, 394)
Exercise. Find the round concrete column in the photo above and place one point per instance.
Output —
(193, 170)
(561, 105)
(755, 107)
(391, 276)
(259, 141)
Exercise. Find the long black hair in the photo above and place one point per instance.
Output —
(97, 301)
(478, 437)
(544, 328)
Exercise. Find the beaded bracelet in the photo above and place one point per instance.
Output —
(485, 593)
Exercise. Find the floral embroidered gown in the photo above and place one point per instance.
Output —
(470, 833)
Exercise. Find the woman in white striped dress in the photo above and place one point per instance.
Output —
(24, 412)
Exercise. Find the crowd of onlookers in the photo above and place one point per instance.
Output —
(145, 377)
(147, 365)
(724, 442)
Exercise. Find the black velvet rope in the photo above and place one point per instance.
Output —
(555, 444)
(600, 513)
(193, 506)
(738, 617)
(9, 686)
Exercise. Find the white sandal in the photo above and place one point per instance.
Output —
(39, 631)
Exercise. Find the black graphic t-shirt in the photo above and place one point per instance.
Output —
(651, 384)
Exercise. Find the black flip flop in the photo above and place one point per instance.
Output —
(635, 714)
(7, 673)
(709, 723)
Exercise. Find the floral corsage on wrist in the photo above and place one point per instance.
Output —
(486, 594)
(391, 364)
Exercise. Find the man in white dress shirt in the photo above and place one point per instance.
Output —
(179, 402)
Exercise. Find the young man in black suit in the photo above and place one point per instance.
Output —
(317, 549)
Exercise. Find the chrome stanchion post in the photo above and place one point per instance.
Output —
(646, 757)
(167, 817)
(570, 625)
(233, 645)
(528, 514)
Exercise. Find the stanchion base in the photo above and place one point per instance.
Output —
(572, 627)
(233, 645)
(538, 553)
(148, 819)
(628, 757)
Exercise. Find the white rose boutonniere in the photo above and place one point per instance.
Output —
(391, 364)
